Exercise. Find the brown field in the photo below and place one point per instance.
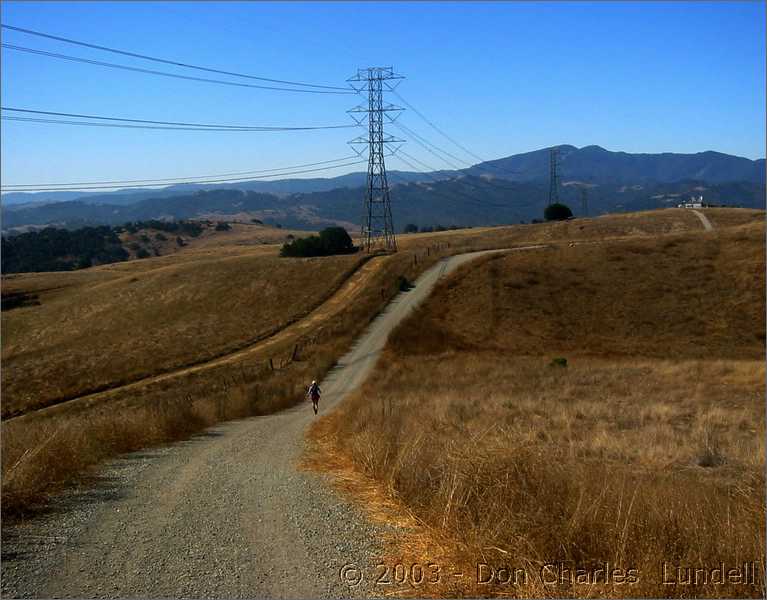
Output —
(243, 233)
(47, 448)
(103, 326)
(648, 447)
(196, 305)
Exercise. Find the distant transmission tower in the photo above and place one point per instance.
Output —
(377, 228)
(553, 176)
(584, 201)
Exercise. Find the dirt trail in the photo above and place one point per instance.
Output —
(345, 294)
(704, 219)
(226, 514)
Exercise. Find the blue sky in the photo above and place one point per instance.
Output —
(500, 78)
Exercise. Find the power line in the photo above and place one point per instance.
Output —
(465, 181)
(426, 145)
(434, 149)
(172, 179)
(422, 140)
(471, 199)
(165, 61)
(236, 179)
(163, 73)
(437, 129)
(485, 167)
(467, 197)
(172, 124)
(431, 147)
(420, 162)
(125, 126)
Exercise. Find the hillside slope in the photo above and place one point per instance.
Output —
(110, 324)
(598, 405)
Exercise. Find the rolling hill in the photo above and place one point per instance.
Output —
(507, 190)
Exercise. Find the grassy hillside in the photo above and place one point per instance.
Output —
(56, 249)
(648, 446)
(116, 323)
(105, 325)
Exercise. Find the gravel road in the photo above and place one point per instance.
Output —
(226, 514)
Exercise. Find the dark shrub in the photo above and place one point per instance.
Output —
(191, 228)
(333, 240)
(403, 283)
(410, 228)
(221, 226)
(557, 212)
(142, 253)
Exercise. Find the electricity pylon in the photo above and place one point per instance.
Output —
(377, 227)
(553, 176)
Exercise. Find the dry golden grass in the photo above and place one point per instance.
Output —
(647, 448)
(88, 430)
(685, 295)
(725, 217)
(162, 243)
(47, 448)
(102, 327)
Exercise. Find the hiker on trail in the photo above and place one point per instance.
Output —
(314, 392)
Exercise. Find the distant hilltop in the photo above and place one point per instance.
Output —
(592, 164)
(505, 190)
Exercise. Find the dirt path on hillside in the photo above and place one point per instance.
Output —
(704, 219)
(226, 514)
(338, 300)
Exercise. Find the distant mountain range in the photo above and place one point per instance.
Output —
(594, 164)
(505, 190)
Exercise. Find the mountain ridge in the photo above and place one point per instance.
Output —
(591, 163)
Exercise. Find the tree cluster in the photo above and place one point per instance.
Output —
(557, 212)
(53, 249)
(333, 240)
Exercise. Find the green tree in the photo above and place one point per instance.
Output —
(336, 240)
(333, 240)
(557, 212)
(410, 228)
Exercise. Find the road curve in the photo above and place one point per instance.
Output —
(226, 514)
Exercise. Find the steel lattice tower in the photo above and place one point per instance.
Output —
(584, 201)
(377, 228)
(553, 176)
